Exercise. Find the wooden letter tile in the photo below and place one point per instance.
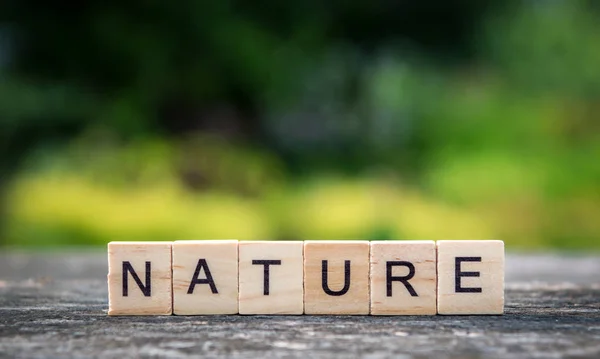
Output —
(139, 278)
(403, 278)
(470, 277)
(271, 276)
(336, 277)
(205, 277)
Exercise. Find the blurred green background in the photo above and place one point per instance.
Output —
(370, 119)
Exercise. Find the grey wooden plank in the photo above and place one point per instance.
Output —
(54, 305)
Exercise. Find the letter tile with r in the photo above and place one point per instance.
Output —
(403, 278)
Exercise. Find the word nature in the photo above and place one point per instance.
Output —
(311, 277)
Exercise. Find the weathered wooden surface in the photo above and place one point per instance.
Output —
(54, 305)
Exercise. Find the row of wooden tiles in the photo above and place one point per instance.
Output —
(311, 277)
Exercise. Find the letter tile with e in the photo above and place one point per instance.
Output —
(403, 278)
(271, 277)
(205, 277)
(336, 277)
(139, 278)
(470, 277)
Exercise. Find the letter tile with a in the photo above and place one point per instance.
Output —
(205, 277)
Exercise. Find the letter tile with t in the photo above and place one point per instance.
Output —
(205, 277)
(139, 278)
(403, 278)
(270, 279)
(470, 277)
(336, 277)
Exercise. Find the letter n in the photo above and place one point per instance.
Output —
(146, 289)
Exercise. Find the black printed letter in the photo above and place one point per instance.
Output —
(208, 280)
(404, 280)
(458, 274)
(266, 263)
(346, 279)
(146, 289)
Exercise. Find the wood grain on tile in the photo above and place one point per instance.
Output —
(139, 278)
(271, 277)
(403, 278)
(205, 277)
(470, 277)
(336, 277)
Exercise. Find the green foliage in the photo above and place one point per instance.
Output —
(367, 119)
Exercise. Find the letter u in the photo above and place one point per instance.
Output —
(324, 279)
